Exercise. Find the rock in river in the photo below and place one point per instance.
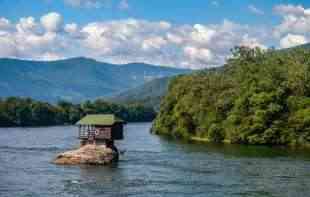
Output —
(88, 154)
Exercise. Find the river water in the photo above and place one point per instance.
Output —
(150, 166)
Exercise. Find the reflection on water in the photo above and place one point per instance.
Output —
(255, 151)
(150, 166)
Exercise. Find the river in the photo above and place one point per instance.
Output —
(150, 166)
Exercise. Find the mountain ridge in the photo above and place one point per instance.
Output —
(149, 93)
(74, 79)
(84, 58)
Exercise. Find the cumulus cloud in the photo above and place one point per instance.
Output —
(174, 38)
(156, 42)
(252, 42)
(294, 28)
(5, 24)
(290, 10)
(291, 40)
(52, 22)
(71, 28)
(295, 19)
(202, 34)
(195, 46)
(7, 46)
(123, 41)
(201, 54)
(27, 24)
(29, 39)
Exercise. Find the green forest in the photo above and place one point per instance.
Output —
(257, 97)
(16, 112)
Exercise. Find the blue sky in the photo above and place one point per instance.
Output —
(176, 11)
(183, 33)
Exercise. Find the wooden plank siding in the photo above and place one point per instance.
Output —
(114, 132)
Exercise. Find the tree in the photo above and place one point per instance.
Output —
(258, 97)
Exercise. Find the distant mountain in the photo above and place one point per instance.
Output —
(305, 46)
(74, 79)
(149, 93)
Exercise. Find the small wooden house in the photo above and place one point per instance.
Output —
(100, 128)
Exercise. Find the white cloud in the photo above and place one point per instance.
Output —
(156, 42)
(251, 42)
(202, 33)
(291, 40)
(71, 28)
(289, 10)
(295, 19)
(5, 24)
(163, 43)
(7, 46)
(164, 25)
(74, 31)
(49, 56)
(256, 10)
(124, 41)
(294, 28)
(52, 22)
(173, 38)
(27, 24)
(28, 39)
(201, 54)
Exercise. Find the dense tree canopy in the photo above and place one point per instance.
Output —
(27, 112)
(258, 97)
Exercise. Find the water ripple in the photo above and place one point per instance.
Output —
(14, 148)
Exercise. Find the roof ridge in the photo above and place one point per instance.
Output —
(99, 119)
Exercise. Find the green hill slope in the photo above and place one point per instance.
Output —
(149, 94)
(74, 79)
(258, 98)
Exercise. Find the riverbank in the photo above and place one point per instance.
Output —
(205, 140)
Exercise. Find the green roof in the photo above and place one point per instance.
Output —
(99, 119)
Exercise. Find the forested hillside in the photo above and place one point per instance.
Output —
(148, 94)
(258, 98)
(75, 79)
(27, 112)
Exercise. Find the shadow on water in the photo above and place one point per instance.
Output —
(237, 150)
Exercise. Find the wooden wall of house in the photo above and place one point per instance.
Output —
(116, 131)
